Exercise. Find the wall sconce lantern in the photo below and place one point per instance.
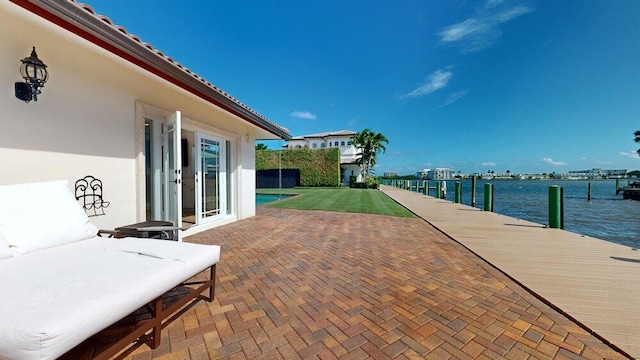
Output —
(35, 74)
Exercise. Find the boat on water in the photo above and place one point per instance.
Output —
(631, 191)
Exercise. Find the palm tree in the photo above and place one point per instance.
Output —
(369, 144)
(637, 138)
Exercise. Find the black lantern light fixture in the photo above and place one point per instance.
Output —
(35, 74)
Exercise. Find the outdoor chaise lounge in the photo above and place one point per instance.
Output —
(61, 283)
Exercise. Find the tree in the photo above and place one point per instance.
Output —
(261, 146)
(369, 144)
(637, 138)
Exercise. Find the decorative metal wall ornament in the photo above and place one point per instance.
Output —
(89, 192)
(35, 74)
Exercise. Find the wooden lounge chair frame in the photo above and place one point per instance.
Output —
(158, 315)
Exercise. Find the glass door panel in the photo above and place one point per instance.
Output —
(173, 171)
(211, 178)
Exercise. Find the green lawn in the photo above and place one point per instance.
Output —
(338, 199)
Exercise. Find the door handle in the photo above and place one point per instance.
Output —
(177, 180)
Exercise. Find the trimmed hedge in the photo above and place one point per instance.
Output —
(318, 167)
(369, 184)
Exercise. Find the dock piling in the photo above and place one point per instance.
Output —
(589, 192)
(556, 207)
(473, 191)
(458, 193)
(488, 197)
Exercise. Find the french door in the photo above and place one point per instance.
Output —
(173, 171)
(211, 178)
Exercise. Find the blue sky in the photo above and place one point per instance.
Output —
(526, 86)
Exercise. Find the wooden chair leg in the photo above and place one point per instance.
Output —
(156, 335)
(212, 289)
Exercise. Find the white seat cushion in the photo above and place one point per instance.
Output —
(55, 298)
(5, 252)
(41, 215)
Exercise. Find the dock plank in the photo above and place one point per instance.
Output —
(594, 281)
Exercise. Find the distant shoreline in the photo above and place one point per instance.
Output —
(516, 179)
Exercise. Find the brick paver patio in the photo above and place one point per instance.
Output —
(325, 285)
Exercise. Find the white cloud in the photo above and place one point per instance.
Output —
(596, 161)
(437, 80)
(454, 97)
(493, 3)
(554, 163)
(303, 115)
(488, 163)
(483, 30)
(630, 154)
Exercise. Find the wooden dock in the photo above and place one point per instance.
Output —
(595, 282)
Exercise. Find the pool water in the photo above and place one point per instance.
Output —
(267, 198)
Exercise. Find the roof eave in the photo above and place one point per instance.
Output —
(143, 55)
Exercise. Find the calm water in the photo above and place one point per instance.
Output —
(607, 216)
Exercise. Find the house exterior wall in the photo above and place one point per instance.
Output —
(82, 123)
(350, 170)
(87, 119)
(294, 144)
(348, 152)
(440, 174)
(248, 179)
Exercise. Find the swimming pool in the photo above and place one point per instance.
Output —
(267, 198)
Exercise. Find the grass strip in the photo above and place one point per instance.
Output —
(366, 201)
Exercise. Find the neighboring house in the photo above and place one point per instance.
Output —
(166, 143)
(440, 174)
(423, 174)
(435, 174)
(340, 139)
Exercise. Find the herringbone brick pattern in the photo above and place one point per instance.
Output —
(323, 285)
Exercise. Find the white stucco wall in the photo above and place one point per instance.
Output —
(80, 125)
(247, 171)
(84, 122)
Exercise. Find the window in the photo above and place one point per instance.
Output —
(342, 143)
(349, 143)
(323, 145)
(314, 145)
(336, 143)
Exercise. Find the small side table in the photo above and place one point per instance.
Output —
(149, 229)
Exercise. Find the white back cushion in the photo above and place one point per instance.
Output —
(41, 215)
(4, 249)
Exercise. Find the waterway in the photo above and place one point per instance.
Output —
(607, 216)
